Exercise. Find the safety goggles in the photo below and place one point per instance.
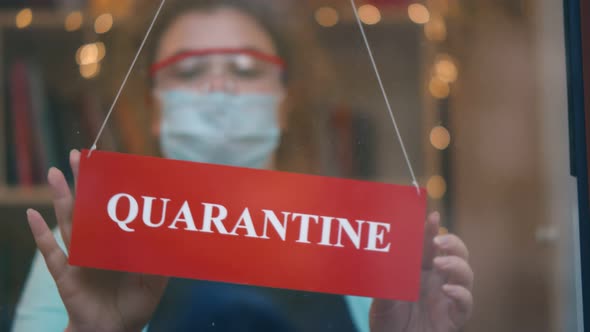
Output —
(236, 68)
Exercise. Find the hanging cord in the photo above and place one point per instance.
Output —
(376, 69)
(102, 127)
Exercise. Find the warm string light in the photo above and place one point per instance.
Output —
(436, 187)
(74, 21)
(24, 18)
(90, 53)
(440, 138)
(89, 57)
(444, 74)
(90, 70)
(418, 13)
(445, 69)
(103, 23)
(438, 88)
(369, 14)
(436, 29)
(327, 16)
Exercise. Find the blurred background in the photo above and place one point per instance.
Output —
(478, 88)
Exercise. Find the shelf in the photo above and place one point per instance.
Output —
(25, 196)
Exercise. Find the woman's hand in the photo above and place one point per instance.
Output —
(445, 302)
(95, 300)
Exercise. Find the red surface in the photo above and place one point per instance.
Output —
(21, 109)
(99, 242)
(211, 51)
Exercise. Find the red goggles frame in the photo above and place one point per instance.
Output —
(274, 59)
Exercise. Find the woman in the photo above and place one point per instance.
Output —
(220, 73)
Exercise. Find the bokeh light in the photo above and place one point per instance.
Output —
(438, 88)
(24, 18)
(418, 13)
(369, 14)
(90, 53)
(436, 30)
(103, 23)
(440, 137)
(74, 21)
(436, 187)
(327, 16)
(446, 70)
(90, 71)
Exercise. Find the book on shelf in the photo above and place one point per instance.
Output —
(42, 127)
(21, 123)
(42, 132)
(351, 143)
(9, 149)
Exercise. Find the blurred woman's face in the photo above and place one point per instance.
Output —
(207, 35)
(218, 83)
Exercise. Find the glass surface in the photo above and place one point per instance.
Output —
(478, 89)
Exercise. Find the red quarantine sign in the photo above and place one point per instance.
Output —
(247, 226)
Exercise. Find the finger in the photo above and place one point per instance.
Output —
(384, 315)
(54, 257)
(75, 164)
(451, 245)
(456, 270)
(430, 231)
(462, 303)
(63, 203)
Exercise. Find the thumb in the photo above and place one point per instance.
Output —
(75, 164)
(430, 232)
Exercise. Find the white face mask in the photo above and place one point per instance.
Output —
(220, 128)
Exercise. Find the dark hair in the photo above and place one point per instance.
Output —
(289, 26)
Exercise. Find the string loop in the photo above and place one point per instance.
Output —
(373, 63)
(382, 87)
(102, 127)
